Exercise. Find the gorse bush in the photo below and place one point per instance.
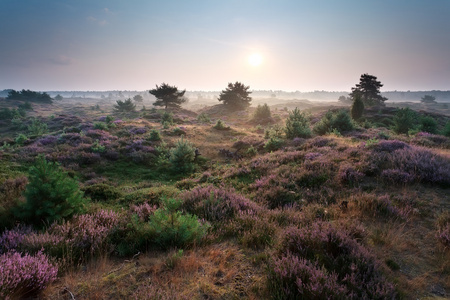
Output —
(51, 195)
(182, 157)
(24, 276)
(297, 125)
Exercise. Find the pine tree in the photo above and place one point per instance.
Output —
(168, 96)
(369, 90)
(236, 96)
(297, 125)
(357, 108)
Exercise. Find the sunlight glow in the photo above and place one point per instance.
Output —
(255, 59)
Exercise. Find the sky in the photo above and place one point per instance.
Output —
(49, 45)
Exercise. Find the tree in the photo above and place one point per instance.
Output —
(168, 96)
(369, 90)
(28, 95)
(428, 99)
(125, 106)
(58, 97)
(297, 125)
(51, 194)
(404, 120)
(138, 98)
(236, 96)
(357, 109)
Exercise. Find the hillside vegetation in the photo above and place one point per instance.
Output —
(261, 203)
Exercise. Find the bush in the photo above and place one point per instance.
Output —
(357, 109)
(220, 125)
(428, 124)
(37, 127)
(203, 118)
(24, 276)
(404, 120)
(446, 130)
(102, 192)
(100, 126)
(125, 106)
(175, 229)
(182, 157)
(51, 195)
(167, 118)
(297, 125)
(262, 114)
(339, 120)
(154, 135)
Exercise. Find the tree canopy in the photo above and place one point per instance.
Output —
(168, 96)
(369, 90)
(236, 96)
(138, 98)
(428, 99)
(28, 95)
(125, 106)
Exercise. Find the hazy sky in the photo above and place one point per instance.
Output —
(204, 44)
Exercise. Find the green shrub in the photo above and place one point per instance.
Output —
(273, 144)
(404, 120)
(203, 118)
(173, 228)
(51, 195)
(154, 135)
(220, 125)
(182, 157)
(123, 106)
(297, 125)
(446, 130)
(251, 151)
(102, 192)
(340, 121)
(109, 119)
(167, 117)
(262, 113)
(428, 124)
(101, 126)
(357, 109)
(37, 127)
(324, 125)
(96, 147)
(20, 139)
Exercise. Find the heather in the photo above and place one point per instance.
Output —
(270, 203)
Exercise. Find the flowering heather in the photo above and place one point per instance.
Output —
(143, 211)
(349, 175)
(444, 235)
(117, 122)
(138, 130)
(389, 146)
(72, 139)
(214, 204)
(12, 239)
(48, 140)
(139, 145)
(98, 134)
(312, 155)
(343, 262)
(23, 276)
(102, 119)
(395, 176)
(319, 142)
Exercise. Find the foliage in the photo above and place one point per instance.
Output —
(262, 114)
(51, 195)
(20, 139)
(204, 118)
(175, 229)
(125, 106)
(58, 97)
(297, 125)
(428, 124)
(446, 130)
(28, 95)
(102, 192)
(37, 127)
(339, 120)
(404, 120)
(357, 109)
(138, 98)
(167, 118)
(154, 135)
(101, 126)
(168, 96)
(428, 99)
(236, 96)
(220, 125)
(182, 157)
(368, 89)
(273, 144)
(24, 276)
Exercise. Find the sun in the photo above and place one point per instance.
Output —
(255, 59)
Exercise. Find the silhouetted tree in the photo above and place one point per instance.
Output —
(58, 97)
(28, 95)
(428, 99)
(138, 98)
(168, 96)
(357, 108)
(236, 96)
(369, 90)
(125, 106)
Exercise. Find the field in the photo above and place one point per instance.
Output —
(175, 206)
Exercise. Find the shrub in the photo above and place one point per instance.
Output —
(273, 144)
(339, 120)
(51, 194)
(154, 135)
(167, 118)
(37, 127)
(20, 139)
(203, 118)
(446, 130)
(100, 126)
(102, 192)
(220, 125)
(175, 229)
(428, 124)
(24, 276)
(262, 114)
(182, 157)
(297, 125)
(357, 109)
(125, 106)
(404, 120)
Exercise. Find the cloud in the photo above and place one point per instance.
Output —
(62, 60)
(91, 19)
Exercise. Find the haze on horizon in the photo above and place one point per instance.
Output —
(202, 45)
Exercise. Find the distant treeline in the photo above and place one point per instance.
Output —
(29, 96)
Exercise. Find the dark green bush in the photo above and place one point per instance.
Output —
(297, 125)
(167, 117)
(220, 125)
(262, 114)
(340, 121)
(102, 192)
(182, 157)
(273, 144)
(357, 108)
(428, 124)
(446, 130)
(51, 195)
(404, 120)
(154, 135)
